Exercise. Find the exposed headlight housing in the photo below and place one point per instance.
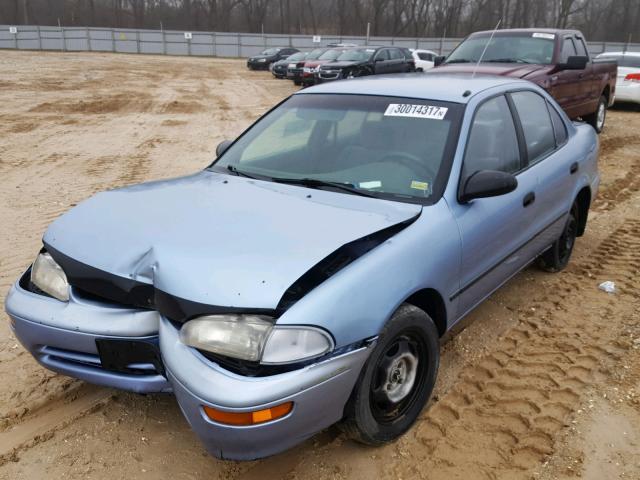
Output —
(49, 277)
(255, 338)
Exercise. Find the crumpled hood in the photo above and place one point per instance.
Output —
(516, 70)
(217, 239)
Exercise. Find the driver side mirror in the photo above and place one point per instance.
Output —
(438, 60)
(222, 147)
(574, 62)
(378, 59)
(488, 183)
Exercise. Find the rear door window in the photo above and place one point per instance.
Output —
(559, 128)
(382, 55)
(395, 54)
(536, 124)
(493, 143)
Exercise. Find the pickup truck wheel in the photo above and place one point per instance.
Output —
(397, 379)
(597, 118)
(557, 256)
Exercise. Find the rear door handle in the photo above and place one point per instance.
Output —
(528, 199)
(573, 168)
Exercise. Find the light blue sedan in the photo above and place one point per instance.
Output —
(307, 276)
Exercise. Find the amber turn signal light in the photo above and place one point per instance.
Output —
(248, 418)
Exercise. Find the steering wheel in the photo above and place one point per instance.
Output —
(414, 163)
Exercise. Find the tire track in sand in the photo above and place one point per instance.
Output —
(43, 424)
(502, 418)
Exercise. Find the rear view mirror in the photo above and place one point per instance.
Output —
(222, 147)
(488, 183)
(438, 60)
(575, 62)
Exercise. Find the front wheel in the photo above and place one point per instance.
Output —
(557, 256)
(397, 379)
(597, 118)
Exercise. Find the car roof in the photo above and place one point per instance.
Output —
(556, 31)
(630, 54)
(446, 87)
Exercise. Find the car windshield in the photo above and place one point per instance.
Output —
(315, 54)
(356, 55)
(531, 48)
(388, 147)
(270, 51)
(632, 61)
(297, 56)
(330, 54)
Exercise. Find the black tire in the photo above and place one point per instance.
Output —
(557, 256)
(597, 118)
(387, 399)
(297, 82)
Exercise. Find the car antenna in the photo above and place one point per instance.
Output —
(485, 48)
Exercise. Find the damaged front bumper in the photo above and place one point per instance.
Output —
(319, 393)
(66, 338)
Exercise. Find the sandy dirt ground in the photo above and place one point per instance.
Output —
(544, 383)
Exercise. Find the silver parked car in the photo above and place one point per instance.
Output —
(306, 276)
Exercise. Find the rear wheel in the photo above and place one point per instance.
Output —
(557, 256)
(396, 381)
(597, 118)
(297, 82)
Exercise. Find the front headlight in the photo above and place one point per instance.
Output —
(255, 338)
(262, 60)
(49, 277)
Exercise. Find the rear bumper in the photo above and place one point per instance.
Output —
(319, 393)
(628, 93)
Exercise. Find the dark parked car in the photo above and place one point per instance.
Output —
(357, 62)
(557, 60)
(296, 70)
(311, 67)
(279, 68)
(269, 56)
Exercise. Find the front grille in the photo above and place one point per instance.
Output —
(71, 358)
(329, 74)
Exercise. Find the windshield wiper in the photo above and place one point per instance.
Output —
(317, 183)
(241, 173)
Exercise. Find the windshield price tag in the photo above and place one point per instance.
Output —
(415, 111)
(548, 36)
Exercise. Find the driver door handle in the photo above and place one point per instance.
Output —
(528, 199)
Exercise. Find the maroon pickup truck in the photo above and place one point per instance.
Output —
(557, 60)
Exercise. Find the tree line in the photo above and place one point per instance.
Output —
(603, 20)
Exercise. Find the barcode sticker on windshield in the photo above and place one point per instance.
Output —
(415, 111)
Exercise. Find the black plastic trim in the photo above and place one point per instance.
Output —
(336, 261)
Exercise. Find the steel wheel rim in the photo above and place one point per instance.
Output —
(398, 377)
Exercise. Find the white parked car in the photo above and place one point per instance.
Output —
(628, 81)
(423, 58)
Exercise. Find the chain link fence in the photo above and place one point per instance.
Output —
(210, 44)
